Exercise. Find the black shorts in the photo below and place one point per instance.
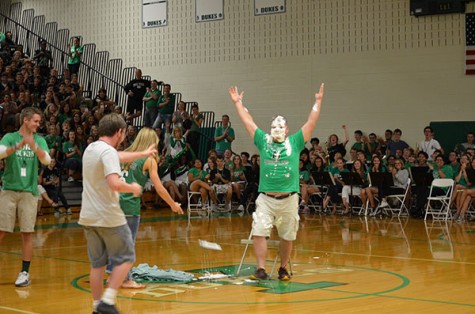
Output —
(134, 105)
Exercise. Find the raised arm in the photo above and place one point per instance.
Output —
(242, 111)
(309, 126)
(131, 156)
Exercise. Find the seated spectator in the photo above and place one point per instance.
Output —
(42, 195)
(467, 197)
(348, 190)
(228, 161)
(181, 118)
(76, 121)
(304, 180)
(453, 162)
(400, 179)
(333, 146)
(367, 194)
(440, 170)
(238, 177)
(221, 181)
(102, 104)
(333, 190)
(470, 143)
(396, 143)
(53, 141)
(198, 182)
(9, 114)
(422, 159)
(65, 113)
(177, 146)
(50, 177)
(51, 110)
(429, 144)
(461, 183)
(72, 151)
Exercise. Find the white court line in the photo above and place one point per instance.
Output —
(398, 257)
(16, 310)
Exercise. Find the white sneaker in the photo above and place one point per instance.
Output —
(214, 207)
(69, 212)
(228, 207)
(383, 204)
(70, 179)
(241, 208)
(23, 279)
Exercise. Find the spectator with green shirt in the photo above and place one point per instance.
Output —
(166, 107)
(151, 99)
(72, 151)
(223, 135)
(75, 53)
(22, 150)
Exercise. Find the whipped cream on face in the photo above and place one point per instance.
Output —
(278, 129)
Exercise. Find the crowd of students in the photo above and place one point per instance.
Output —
(392, 155)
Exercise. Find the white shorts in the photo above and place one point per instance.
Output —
(281, 213)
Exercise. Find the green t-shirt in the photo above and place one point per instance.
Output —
(237, 173)
(53, 141)
(152, 103)
(224, 144)
(447, 170)
(73, 58)
(455, 169)
(194, 126)
(21, 167)
(68, 148)
(200, 174)
(168, 109)
(130, 204)
(304, 176)
(279, 170)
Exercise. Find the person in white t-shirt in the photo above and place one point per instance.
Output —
(429, 144)
(105, 227)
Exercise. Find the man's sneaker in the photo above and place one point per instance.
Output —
(241, 208)
(104, 308)
(460, 220)
(228, 207)
(260, 274)
(70, 179)
(456, 215)
(23, 279)
(69, 212)
(214, 207)
(283, 274)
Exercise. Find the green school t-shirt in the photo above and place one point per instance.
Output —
(129, 203)
(279, 170)
(21, 167)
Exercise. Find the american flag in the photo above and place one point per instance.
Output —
(470, 44)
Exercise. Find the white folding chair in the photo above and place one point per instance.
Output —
(400, 199)
(439, 206)
(271, 244)
(196, 206)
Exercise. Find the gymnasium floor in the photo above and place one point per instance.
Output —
(340, 265)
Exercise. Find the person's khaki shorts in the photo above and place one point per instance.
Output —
(283, 214)
(15, 203)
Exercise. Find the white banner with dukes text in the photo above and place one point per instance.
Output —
(209, 10)
(154, 13)
(264, 7)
